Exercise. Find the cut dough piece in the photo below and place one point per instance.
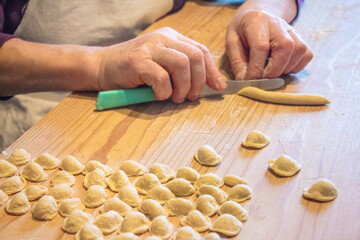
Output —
(196, 220)
(19, 157)
(152, 238)
(283, 98)
(92, 165)
(160, 194)
(161, 227)
(240, 193)
(117, 205)
(34, 172)
(117, 180)
(67, 206)
(96, 177)
(285, 166)
(3, 197)
(212, 236)
(129, 195)
(323, 190)
(108, 222)
(94, 197)
(126, 236)
(76, 221)
(206, 155)
(178, 207)
(233, 180)
(227, 224)
(71, 165)
(7, 169)
(186, 233)
(45, 209)
(209, 179)
(162, 171)
(18, 205)
(134, 222)
(13, 185)
(146, 182)
(63, 177)
(34, 192)
(219, 195)
(61, 192)
(256, 139)
(132, 168)
(180, 187)
(47, 161)
(207, 205)
(234, 209)
(187, 173)
(152, 208)
(89, 232)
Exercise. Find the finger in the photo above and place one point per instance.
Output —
(298, 53)
(304, 61)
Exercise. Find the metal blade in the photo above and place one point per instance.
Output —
(235, 86)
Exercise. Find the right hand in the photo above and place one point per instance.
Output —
(172, 64)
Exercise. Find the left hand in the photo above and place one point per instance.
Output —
(255, 35)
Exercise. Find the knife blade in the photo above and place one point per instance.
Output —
(124, 97)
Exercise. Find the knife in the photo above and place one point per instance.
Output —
(124, 97)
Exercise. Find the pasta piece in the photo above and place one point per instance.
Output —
(323, 190)
(209, 179)
(256, 139)
(96, 177)
(146, 182)
(19, 157)
(33, 172)
(134, 222)
(188, 173)
(76, 221)
(162, 171)
(67, 206)
(240, 193)
(285, 166)
(206, 155)
(18, 205)
(71, 165)
(47, 161)
(13, 185)
(61, 192)
(219, 195)
(152, 208)
(34, 192)
(160, 194)
(232, 180)
(3, 197)
(196, 220)
(92, 165)
(180, 187)
(212, 236)
(89, 232)
(63, 177)
(7, 169)
(234, 209)
(207, 205)
(108, 222)
(126, 236)
(179, 207)
(283, 98)
(161, 227)
(132, 168)
(117, 205)
(129, 195)
(117, 180)
(94, 197)
(227, 224)
(45, 209)
(186, 233)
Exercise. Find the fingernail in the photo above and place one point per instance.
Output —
(222, 83)
(194, 97)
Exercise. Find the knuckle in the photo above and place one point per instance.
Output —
(183, 62)
(286, 44)
(196, 55)
(262, 46)
(301, 49)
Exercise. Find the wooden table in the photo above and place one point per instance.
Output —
(324, 139)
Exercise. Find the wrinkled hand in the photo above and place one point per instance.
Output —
(253, 36)
(172, 64)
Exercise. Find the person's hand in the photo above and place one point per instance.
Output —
(253, 36)
(172, 64)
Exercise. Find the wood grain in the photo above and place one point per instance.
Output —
(324, 139)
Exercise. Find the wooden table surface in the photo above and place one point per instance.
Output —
(324, 139)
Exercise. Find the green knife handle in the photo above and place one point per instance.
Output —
(117, 98)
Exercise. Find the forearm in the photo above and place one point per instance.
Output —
(32, 67)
